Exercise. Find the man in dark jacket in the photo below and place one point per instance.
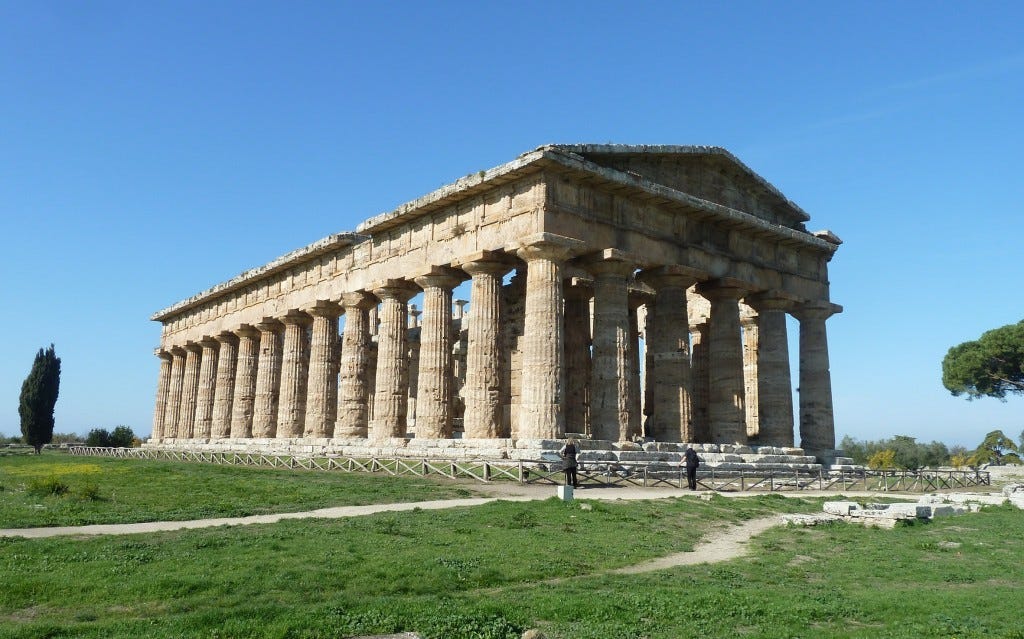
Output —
(692, 462)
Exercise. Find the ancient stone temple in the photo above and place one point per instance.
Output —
(613, 292)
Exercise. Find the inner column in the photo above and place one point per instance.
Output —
(726, 412)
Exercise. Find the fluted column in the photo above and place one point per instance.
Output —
(634, 385)
(817, 421)
(700, 431)
(243, 406)
(612, 417)
(577, 356)
(291, 410)
(189, 391)
(268, 380)
(541, 408)
(668, 355)
(435, 381)
(163, 386)
(726, 412)
(173, 408)
(207, 386)
(482, 391)
(354, 381)
(224, 386)
(774, 384)
(748, 327)
(322, 388)
(392, 384)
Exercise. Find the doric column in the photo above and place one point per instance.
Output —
(541, 409)
(322, 389)
(291, 410)
(189, 391)
(391, 394)
(748, 328)
(700, 431)
(774, 385)
(268, 379)
(173, 407)
(163, 386)
(482, 418)
(243, 405)
(668, 355)
(354, 382)
(434, 385)
(817, 422)
(635, 384)
(726, 412)
(577, 355)
(224, 385)
(207, 386)
(611, 411)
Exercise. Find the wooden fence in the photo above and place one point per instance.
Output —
(593, 474)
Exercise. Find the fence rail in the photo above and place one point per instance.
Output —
(593, 474)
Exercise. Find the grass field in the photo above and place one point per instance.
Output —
(493, 571)
(56, 489)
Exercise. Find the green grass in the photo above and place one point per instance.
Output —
(56, 489)
(492, 571)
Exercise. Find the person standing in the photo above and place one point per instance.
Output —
(568, 453)
(692, 462)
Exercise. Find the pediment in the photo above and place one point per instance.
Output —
(709, 173)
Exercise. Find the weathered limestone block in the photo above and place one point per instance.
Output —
(843, 508)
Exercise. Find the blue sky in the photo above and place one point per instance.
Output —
(150, 150)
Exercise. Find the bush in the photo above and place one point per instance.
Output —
(122, 437)
(98, 437)
(88, 492)
(45, 487)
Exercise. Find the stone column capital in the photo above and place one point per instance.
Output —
(297, 317)
(609, 263)
(246, 330)
(670, 276)
(177, 351)
(439, 277)
(193, 347)
(578, 288)
(816, 310)
(269, 325)
(162, 354)
(486, 263)
(358, 299)
(399, 290)
(546, 246)
(771, 300)
(208, 342)
(323, 308)
(723, 288)
(226, 337)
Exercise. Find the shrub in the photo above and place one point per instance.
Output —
(46, 486)
(882, 459)
(122, 437)
(98, 437)
(90, 491)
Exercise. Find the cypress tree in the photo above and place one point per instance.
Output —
(38, 398)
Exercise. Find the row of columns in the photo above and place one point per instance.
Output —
(250, 383)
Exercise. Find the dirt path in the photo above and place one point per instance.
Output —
(718, 545)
